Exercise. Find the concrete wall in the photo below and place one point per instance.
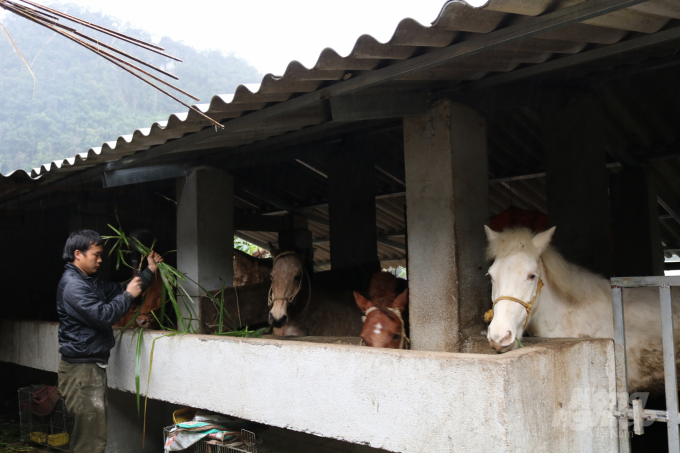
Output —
(556, 396)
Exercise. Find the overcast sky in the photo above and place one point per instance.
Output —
(268, 33)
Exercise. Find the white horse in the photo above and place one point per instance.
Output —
(573, 303)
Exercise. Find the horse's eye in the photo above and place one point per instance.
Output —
(297, 278)
(395, 336)
(532, 276)
(271, 276)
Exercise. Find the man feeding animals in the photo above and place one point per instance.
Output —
(87, 309)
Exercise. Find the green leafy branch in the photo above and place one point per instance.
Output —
(171, 279)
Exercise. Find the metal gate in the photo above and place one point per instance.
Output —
(635, 412)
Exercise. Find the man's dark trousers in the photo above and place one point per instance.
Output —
(83, 386)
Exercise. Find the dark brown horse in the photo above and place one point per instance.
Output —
(250, 270)
(302, 307)
(385, 314)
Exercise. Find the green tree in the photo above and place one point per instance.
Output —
(81, 100)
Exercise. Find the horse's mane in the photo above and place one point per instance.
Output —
(574, 283)
(384, 288)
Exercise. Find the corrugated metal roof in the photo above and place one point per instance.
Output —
(641, 118)
(456, 22)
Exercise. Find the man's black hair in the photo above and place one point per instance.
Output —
(80, 240)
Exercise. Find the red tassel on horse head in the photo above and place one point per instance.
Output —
(516, 217)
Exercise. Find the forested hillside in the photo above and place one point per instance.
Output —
(81, 100)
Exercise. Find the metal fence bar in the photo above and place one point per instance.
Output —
(621, 367)
(635, 282)
(669, 372)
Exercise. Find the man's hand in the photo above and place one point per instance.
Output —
(135, 287)
(153, 259)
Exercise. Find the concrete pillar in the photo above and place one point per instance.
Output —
(447, 195)
(351, 208)
(636, 233)
(205, 232)
(577, 182)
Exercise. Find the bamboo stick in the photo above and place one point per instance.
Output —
(49, 22)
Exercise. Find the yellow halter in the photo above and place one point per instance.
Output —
(488, 316)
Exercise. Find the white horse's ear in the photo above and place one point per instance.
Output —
(491, 235)
(542, 240)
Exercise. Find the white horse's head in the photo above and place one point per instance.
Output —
(515, 274)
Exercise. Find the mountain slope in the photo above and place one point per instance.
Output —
(81, 100)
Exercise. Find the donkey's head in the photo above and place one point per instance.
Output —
(515, 282)
(383, 324)
(287, 275)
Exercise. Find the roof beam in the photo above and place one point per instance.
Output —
(671, 208)
(579, 58)
(642, 68)
(385, 239)
(665, 199)
(286, 147)
(244, 221)
(531, 27)
(262, 244)
(25, 195)
(143, 174)
(667, 266)
(378, 106)
(278, 202)
(225, 162)
(390, 168)
(390, 243)
(382, 260)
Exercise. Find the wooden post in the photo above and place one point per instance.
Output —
(577, 182)
(635, 224)
(351, 207)
(298, 238)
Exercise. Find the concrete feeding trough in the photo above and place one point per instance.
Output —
(556, 395)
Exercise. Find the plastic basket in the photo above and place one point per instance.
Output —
(186, 414)
(37, 436)
(57, 440)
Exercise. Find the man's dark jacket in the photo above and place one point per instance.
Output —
(87, 309)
